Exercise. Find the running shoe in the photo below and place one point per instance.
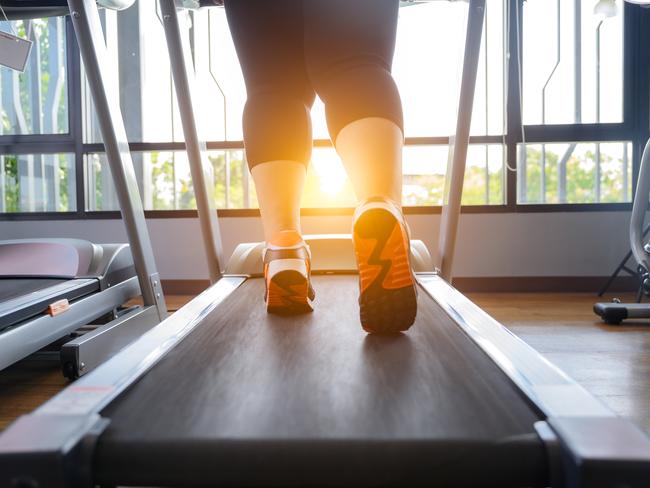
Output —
(287, 275)
(388, 293)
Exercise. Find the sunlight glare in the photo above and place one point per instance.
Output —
(330, 171)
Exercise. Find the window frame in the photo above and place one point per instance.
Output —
(635, 127)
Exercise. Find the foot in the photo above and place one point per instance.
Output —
(287, 275)
(387, 299)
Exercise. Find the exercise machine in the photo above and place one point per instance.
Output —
(49, 288)
(97, 279)
(615, 312)
(222, 393)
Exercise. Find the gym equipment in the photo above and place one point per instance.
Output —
(221, 393)
(615, 312)
(83, 353)
(622, 266)
(86, 281)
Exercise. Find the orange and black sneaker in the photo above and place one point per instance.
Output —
(388, 293)
(287, 275)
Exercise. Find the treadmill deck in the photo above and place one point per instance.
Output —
(250, 398)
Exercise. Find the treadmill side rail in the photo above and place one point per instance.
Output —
(52, 446)
(83, 354)
(597, 445)
(93, 391)
(24, 339)
(48, 451)
(603, 452)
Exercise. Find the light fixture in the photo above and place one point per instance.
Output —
(606, 8)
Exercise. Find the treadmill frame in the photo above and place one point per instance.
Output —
(80, 355)
(588, 445)
(23, 339)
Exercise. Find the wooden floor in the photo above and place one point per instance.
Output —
(611, 362)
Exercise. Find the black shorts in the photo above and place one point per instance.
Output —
(291, 50)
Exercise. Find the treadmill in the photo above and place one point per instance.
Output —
(49, 288)
(222, 393)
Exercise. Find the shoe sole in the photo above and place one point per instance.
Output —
(288, 294)
(388, 297)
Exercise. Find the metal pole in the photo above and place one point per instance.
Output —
(597, 177)
(625, 172)
(51, 108)
(196, 149)
(37, 177)
(487, 110)
(87, 26)
(459, 143)
(558, 59)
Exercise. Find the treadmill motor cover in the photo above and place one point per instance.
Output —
(60, 258)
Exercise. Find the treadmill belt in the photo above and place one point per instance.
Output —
(251, 399)
(25, 298)
(18, 287)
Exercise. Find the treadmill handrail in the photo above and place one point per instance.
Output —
(195, 146)
(459, 142)
(92, 46)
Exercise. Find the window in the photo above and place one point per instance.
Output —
(579, 143)
(35, 102)
(575, 173)
(573, 74)
(427, 68)
(572, 63)
(37, 183)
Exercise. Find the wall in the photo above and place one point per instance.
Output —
(572, 244)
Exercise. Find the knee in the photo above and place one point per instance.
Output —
(357, 88)
(277, 126)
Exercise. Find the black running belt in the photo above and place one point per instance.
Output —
(250, 399)
(24, 298)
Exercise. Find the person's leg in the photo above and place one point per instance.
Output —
(373, 142)
(349, 48)
(268, 39)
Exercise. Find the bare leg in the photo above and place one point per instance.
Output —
(371, 150)
(279, 187)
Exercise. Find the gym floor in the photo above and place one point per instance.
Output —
(611, 362)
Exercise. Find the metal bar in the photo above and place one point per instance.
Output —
(86, 352)
(32, 335)
(562, 172)
(579, 420)
(50, 109)
(76, 186)
(37, 180)
(3, 177)
(639, 208)
(196, 148)
(512, 113)
(558, 59)
(85, 18)
(577, 96)
(459, 143)
(131, 86)
(625, 172)
(487, 106)
(597, 176)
